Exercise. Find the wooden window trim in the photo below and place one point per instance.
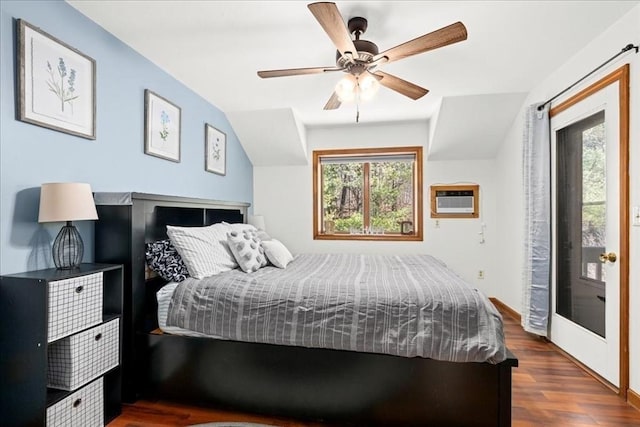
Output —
(366, 193)
(417, 194)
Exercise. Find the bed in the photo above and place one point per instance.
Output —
(339, 386)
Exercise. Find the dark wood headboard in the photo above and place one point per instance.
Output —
(126, 222)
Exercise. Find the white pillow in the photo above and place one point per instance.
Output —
(204, 250)
(262, 235)
(247, 250)
(277, 253)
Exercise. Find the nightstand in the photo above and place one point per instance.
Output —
(60, 342)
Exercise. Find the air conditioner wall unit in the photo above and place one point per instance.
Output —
(455, 201)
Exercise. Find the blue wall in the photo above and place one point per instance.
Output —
(115, 161)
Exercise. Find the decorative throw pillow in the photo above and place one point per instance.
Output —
(163, 258)
(247, 250)
(204, 250)
(239, 226)
(277, 253)
(262, 235)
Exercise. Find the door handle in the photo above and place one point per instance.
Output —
(610, 256)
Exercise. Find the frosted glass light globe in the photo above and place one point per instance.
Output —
(346, 88)
(368, 87)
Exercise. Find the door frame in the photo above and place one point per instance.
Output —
(620, 76)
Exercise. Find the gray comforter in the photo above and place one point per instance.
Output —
(410, 305)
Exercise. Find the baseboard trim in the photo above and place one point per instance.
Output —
(633, 398)
(585, 368)
(505, 308)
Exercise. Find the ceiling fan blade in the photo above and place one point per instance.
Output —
(333, 102)
(443, 37)
(296, 71)
(401, 86)
(333, 24)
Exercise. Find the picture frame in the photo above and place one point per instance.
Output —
(56, 83)
(215, 150)
(406, 227)
(162, 127)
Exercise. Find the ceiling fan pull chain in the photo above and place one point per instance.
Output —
(357, 99)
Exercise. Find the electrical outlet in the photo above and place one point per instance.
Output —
(480, 274)
(635, 217)
(437, 223)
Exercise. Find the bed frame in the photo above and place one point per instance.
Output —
(340, 387)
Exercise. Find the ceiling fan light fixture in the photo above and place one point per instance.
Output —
(364, 87)
(368, 87)
(346, 88)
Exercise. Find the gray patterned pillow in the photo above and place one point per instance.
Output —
(247, 250)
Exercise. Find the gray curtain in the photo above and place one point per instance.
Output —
(536, 157)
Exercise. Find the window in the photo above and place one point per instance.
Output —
(368, 194)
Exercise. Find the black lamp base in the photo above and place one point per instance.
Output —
(67, 248)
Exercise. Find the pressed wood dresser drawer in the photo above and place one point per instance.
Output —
(75, 360)
(83, 408)
(74, 305)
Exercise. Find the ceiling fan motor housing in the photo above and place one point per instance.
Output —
(370, 49)
(366, 50)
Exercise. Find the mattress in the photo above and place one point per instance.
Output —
(410, 305)
(163, 297)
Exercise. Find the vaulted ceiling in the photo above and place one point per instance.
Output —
(216, 48)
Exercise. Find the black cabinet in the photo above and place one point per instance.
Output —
(29, 304)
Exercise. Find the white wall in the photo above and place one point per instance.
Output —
(284, 196)
(509, 178)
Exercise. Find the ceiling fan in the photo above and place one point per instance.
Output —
(359, 58)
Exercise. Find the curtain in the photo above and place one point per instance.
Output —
(536, 158)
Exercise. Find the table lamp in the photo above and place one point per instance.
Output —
(66, 202)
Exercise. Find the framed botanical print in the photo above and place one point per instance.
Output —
(215, 150)
(57, 83)
(161, 127)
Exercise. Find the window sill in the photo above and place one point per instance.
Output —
(370, 237)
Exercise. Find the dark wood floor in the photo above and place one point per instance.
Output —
(548, 390)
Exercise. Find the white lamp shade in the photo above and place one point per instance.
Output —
(66, 201)
(257, 221)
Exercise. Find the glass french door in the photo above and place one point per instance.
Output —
(586, 277)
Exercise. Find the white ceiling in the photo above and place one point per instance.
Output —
(216, 48)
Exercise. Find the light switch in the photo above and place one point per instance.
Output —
(635, 218)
